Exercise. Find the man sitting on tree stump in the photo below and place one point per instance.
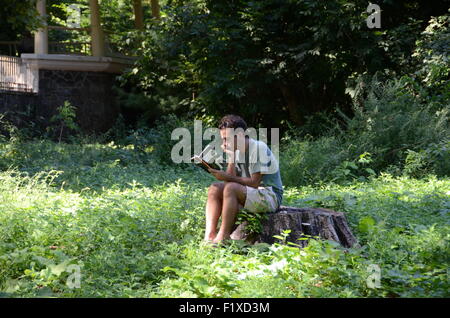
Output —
(251, 181)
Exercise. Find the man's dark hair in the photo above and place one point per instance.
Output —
(232, 121)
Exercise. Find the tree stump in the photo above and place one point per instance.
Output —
(303, 222)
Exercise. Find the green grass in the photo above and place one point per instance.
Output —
(134, 228)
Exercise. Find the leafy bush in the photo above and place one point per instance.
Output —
(432, 57)
(253, 57)
(134, 228)
(157, 139)
(253, 221)
(393, 120)
(393, 125)
(434, 159)
(64, 118)
(310, 161)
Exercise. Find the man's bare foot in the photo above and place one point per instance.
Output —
(220, 239)
(210, 237)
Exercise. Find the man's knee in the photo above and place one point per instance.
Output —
(216, 189)
(231, 188)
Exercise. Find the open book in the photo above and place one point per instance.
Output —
(207, 159)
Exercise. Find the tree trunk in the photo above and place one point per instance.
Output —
(155, 9)
(292, 105)
(138, 14)
(303, 222)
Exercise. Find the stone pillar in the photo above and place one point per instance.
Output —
(41, 35)
(97, 35)
(138, 14)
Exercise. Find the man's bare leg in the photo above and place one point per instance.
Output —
(213, 209)
(234, 195)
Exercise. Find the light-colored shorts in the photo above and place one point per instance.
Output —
(261, 200)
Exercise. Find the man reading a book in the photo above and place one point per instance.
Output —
(248, 183)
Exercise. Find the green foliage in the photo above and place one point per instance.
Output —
(395, 127)
(9, 130)
(294, 57)
(64, 118)
(135, 227)
(247, 55)
(157, 139)
(17, 17)
(392, 120)
(254, 221)
(134, 223)
(353, 169)
(366, 224)
(21, 124)
(308, 161)
(434, 158)
(432, 57)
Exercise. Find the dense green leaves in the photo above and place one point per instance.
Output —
(131, 221)
(251, 56)
(133, 228)
(272, 61)
(17, 18)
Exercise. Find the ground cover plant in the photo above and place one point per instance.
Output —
(133, 228)
(364, 127)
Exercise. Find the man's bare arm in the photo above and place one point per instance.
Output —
(231, 169)
(253, 181)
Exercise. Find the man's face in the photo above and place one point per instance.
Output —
(228, 137)
(231, 138)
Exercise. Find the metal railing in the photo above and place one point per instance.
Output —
(13, 48)
(15, 75)
(77, 48)
(9, 48)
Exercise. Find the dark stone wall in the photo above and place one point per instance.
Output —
(16, 102)
(90, 92)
